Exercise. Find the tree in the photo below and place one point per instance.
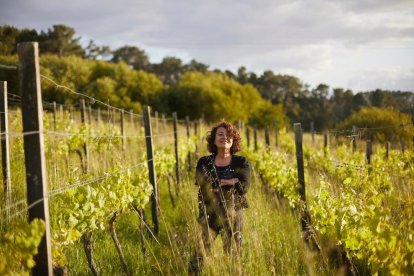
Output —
(341, 102)
(230, 74)
(380, 98)
(60, 41)
(266, 115)
(360, 100)
(194, 65)
(70, 71)
(133, 56)
(130, 86)
(27, 35)
(96, 52)
(380, 124)
(8, 36)
(169, 70)
(321, 92)
(242, 75)
(215, 95)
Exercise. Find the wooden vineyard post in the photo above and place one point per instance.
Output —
(156, 122)
(312, 129)
(123, 131)
(62, 118)
(354, 145)
(368, 155)
(187, 124)
(177, 158)
(301, 174)
(34, 152)
(85, 145)
(54, 116)
(326, 143)
(267, 138)
(369, 152)
(255, 137)
(131, 113)
(98, 115)
(71, 114)
(5, 148)
(197, 139)
(151, 168)
(387, 149)
(90, 115)
(277, 133)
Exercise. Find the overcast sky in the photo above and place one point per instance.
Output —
(360, 45)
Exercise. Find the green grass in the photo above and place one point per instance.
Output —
(272, 243)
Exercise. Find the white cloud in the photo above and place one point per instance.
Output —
(320, 40)
(395, 78)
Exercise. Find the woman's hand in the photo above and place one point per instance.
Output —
(228, 182)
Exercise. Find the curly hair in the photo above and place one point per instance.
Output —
(232, 131)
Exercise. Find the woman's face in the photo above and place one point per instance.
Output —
(222, 139)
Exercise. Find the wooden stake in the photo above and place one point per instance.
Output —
(151, 168)
(5, 148)
(85, 145)
(36, 177)
(177, 159)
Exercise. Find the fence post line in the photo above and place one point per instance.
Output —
(90, 115)
(98, 115)
(277, 133)
(112, 116)
(354, 145)
(312, 129)
(301, 174)
(326, 143)
(200, 129)
(151, 168)
(61, 112)
(123, 130)
(131, 114)
(187, 124)
(368, 154)
(54, 115)
(299, 158)
(177, 159)
(387, 149)
(197, 138)
(85, 145)
(36, 177)
(255, 137)
(156, 122)
(5, 148)
(369, 151)
(267, 138)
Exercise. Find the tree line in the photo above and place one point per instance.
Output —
(126, 77)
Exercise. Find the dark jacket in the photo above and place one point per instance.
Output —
(217, 204)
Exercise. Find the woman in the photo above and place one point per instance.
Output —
(223, 179)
